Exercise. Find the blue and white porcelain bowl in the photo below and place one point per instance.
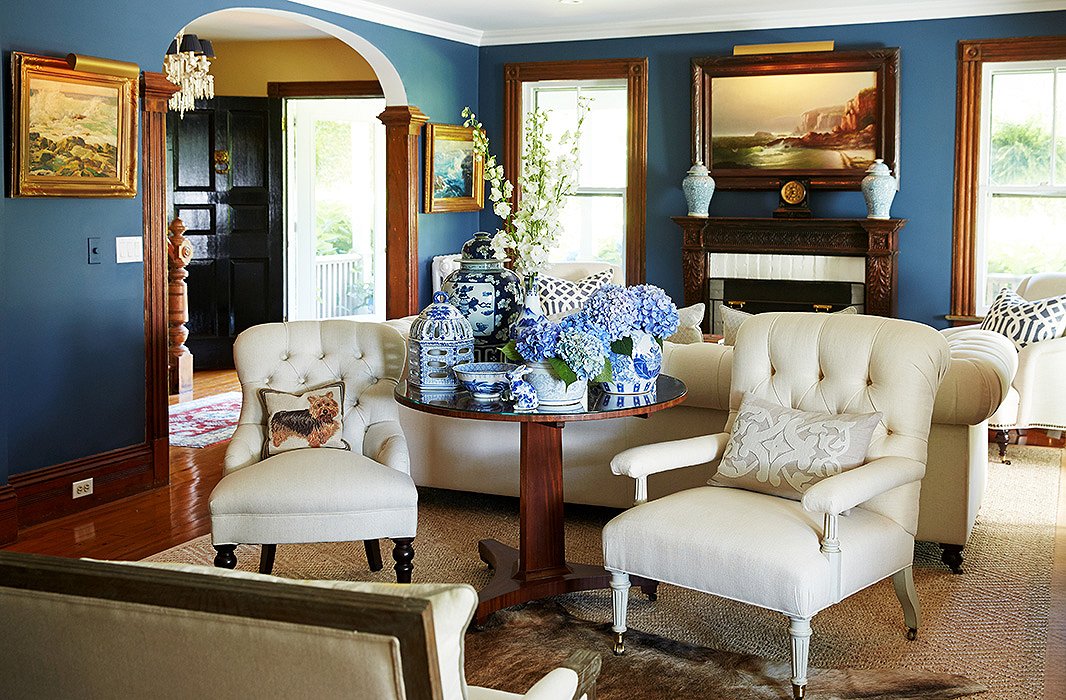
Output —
(486, 381)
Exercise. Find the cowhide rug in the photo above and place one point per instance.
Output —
(518, 646)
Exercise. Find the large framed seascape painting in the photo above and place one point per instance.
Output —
(823, 117)
(74, 133)
(454, 172)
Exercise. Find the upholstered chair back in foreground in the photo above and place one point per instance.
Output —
(299, 355)
(844, 364)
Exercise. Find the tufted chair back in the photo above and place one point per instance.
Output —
(298, 355)
(848, 364)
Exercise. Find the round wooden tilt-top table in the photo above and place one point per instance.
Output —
(538, 568)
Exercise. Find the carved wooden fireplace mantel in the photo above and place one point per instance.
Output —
(876, 240)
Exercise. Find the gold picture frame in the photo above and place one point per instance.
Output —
(455, 173)
(74, 133)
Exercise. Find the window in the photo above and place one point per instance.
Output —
(1022, 196)
(1010, 167)
(604, 220)
(594, 217)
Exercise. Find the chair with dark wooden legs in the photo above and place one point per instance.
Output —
(349, 478)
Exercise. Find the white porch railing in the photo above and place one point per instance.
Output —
(995, 281)
(340, 285)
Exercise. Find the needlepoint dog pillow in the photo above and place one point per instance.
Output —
(309, 419)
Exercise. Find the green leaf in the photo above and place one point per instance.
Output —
(605, 373)
(622, 346)
(562, 370)
(510, 351)
(660, 342)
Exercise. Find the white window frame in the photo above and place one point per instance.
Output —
(985, 190)
(529, 91)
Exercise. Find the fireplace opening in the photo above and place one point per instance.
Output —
(761, 295)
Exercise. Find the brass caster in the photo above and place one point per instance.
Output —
(912, 633)
(619, 644)
(797, 691)
(653, 597)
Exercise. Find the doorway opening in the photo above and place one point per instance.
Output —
(335, 208)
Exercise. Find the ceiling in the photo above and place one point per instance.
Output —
(481, 23)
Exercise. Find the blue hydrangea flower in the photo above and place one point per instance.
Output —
(536, 342)
(582, 351)
(654, 312)
(612, 309)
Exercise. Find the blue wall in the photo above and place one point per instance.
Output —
(927, 106)
(72, 334)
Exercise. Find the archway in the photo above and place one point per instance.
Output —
(403, 124)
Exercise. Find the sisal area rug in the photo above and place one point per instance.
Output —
(205, 421)
(988, 626)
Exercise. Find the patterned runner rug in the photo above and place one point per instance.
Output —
(988, 627)
(205, 421)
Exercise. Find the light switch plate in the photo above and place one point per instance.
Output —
(129, 249)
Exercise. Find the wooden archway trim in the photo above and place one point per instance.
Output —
(157, 90)
(403, 124)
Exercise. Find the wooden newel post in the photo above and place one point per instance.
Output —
(179, 253)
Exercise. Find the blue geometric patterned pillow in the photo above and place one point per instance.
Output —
(559, 296)
(1026, 322)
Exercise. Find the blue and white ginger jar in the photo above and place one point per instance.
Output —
(440, 339)
(698, 187)
(879, 189)
(636, 373)
(488, 295)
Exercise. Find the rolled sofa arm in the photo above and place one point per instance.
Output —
(705, 368)
(983, 365)
(848, 489)
(639, 462)
(1041, 382)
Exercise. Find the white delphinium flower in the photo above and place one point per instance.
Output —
(531, 230)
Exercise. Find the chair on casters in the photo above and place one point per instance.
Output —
(361, 491)
(794, 539)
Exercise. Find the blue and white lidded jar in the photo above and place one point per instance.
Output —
(440, 339)
(638, 372)
(698, 187)
(488, 295)
(879, 189)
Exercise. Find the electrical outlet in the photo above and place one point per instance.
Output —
(83, 488)
(94, 251)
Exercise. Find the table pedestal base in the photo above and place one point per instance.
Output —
(506, 587)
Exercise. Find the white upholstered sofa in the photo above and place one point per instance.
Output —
(483, 456)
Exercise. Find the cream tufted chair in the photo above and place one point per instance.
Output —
(323, 494)
(850, 530)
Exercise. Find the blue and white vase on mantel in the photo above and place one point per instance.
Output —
(638, 372)
(879, 189)
(698, 187)
(487, 293)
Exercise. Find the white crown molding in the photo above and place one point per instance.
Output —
(866, 13)
(869, 12)
(380, 14)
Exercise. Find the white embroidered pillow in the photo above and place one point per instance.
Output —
(1026, 322)
(311, 418)
(784, 451)
(688, 325)
(559, 296)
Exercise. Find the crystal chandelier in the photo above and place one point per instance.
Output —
(187, 65)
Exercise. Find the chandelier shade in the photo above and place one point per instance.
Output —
(188, 65)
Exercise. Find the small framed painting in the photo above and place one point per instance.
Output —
(822, 117)
(74, 134)
(455, 174)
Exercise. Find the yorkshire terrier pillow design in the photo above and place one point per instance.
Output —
(298, 421)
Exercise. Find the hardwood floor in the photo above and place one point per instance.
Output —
(141, 525)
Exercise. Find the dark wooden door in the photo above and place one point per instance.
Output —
(226, 186)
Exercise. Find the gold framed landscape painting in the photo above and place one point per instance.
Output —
(74, 134)
(455, 174)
